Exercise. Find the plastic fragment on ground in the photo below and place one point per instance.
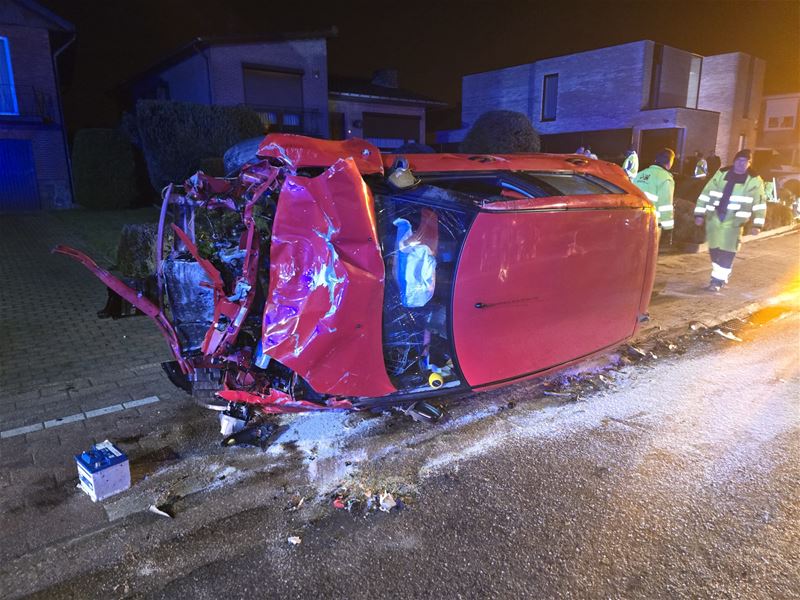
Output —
(157, 511)
(387, 502)
(728, 335)
(559, 394)
(294, 540)
(337, 503)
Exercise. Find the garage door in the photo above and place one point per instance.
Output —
(18, 188)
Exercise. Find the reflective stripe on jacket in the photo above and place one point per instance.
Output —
(658, 185)
(746, 201)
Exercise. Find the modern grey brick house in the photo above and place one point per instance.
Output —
(34, 160)
(641, 93)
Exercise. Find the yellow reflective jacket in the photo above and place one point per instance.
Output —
(658, 185)
(746, 201)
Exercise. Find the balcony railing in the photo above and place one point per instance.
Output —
(26, 102)
(290, 119)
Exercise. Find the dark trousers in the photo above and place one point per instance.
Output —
(721, 265)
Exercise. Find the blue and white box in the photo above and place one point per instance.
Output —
(103, 471)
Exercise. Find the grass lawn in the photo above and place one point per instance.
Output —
(99, 230)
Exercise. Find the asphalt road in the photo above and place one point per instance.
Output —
(678, 481)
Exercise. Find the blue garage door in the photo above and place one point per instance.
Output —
(18, 189)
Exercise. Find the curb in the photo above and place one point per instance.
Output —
(737, 313)
(697, 248)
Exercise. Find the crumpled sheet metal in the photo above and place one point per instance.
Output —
(323, 312)
(299, 151)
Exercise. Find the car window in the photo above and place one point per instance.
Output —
(571, 184)
(482, 187)
(421, 232)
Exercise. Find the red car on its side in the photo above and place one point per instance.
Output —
(327, 276)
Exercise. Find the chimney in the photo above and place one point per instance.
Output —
(385, 78)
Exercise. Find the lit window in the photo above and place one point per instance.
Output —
(787, 122)
(8, 95)
(772, 123)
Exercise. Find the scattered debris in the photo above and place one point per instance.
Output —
(387, 502)
(296, 502)
(559, 394)
(727, 335)
(424, 412)
(294, 540)
(636, 351)
(254, 435)
(362, 499)
(160, 512)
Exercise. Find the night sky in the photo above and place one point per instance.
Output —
(433, 44)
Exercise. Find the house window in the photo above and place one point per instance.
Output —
(8, 94)
(550, 97)
(267, 87)
(787, 122)
(772, 123)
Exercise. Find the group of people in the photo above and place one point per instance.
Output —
(730, 198)
(586, 151)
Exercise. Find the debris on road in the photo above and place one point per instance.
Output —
(160, 511)
(727, 335)
(361, 499)
(387, 502)
(294, 540)
(103, 470)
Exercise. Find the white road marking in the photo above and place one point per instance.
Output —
(89, 414)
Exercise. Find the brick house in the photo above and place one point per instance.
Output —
(780, 128)
(283, 77)
(378, 110)
(34, 158)
(641, 93)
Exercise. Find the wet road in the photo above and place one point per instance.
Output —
(680, 481)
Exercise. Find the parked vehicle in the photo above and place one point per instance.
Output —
(327, 276)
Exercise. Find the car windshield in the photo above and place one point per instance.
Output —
(421, 233)
(487, 188)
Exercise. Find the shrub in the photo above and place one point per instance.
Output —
(501, 132)
(176, 136)
(212, 165)
(104, 170)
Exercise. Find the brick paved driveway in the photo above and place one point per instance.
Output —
(58, 360)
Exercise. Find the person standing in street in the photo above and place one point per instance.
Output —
(658, 185)
(631, 164)
(700, 166)
(728, 200)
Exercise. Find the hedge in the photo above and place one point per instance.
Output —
(177, 136)
(104, 170)
(501, 132)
